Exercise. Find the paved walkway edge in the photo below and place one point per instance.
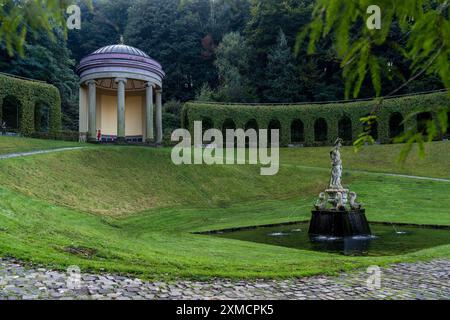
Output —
(32, 153)
(403, 281)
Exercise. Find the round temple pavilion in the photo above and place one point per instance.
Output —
(120, 96)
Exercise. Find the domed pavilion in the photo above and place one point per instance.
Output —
(119, 87)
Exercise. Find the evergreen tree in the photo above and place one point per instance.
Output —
(232, 62)
(261, 32)
(205, 93)
(282, 80)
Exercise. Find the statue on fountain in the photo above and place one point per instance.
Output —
(336, 194)
(336, 164)
(336, 211)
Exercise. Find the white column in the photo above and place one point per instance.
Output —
(121, 82)
(83, 114)
(159, 129)
(150, 136)
(92, 105)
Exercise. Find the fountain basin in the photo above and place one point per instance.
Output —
(387, 239)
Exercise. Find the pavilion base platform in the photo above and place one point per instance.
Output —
(128, 140)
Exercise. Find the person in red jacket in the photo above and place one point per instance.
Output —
(99, 135)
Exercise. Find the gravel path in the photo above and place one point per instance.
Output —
(375, 173)
(423, 280)
(31, 153)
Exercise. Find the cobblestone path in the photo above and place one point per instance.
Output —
(422, 280)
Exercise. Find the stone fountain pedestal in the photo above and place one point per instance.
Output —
(333, 223)
(345, 218)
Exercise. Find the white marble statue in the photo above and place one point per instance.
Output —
(321, 203)
(353, 204)
(336, 163)
(339, 203)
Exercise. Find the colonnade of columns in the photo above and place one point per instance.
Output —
(149, 132)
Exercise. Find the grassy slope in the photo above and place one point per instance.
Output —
(113, 181)
(379, 158)
(177, 200)
(14, 144)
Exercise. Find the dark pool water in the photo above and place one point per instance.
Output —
(387, 239)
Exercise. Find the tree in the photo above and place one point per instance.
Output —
(424, 23)
(282, 80)
(228, 16)
(19, 18)
(102, 25)
(232, 62)
(266, 19)
(205, 93)
(171, 31)
(33, 44)
(425, 28)
(48, 60)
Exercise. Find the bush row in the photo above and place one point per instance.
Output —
(29, 94)
(309, 117)
(57, 135)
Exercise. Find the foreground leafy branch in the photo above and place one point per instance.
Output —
(20, 18)
(425, 26)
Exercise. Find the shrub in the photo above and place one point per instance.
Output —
(173, 106)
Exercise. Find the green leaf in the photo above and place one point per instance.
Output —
(375, 74)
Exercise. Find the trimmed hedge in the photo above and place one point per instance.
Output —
(57, 135)
(309, 113)
(30, 93)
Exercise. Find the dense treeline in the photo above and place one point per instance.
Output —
(223, 50)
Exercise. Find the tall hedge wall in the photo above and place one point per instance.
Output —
(309, 113)
(30, 94)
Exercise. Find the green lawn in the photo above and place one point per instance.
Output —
(129, 209)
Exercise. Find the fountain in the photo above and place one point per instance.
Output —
(339, 225)
(336, 212)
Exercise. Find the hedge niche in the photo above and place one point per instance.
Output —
(320, 124)
(29, 106)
